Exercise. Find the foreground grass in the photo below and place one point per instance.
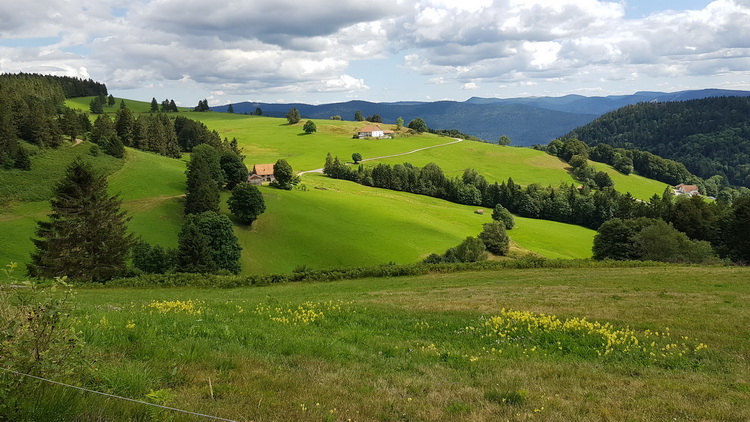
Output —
(412, 348)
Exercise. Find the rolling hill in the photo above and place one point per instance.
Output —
(332, 222)
(527, 121)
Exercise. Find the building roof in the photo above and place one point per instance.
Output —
(389, 132)
(687, 188)
(370, 129)
(263, 169)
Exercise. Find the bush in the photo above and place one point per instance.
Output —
(37, 337)
(472, 249)
(662, 242)
(154, 259)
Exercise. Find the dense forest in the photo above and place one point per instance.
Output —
(29, 105)
(710, 136)
(33, 112)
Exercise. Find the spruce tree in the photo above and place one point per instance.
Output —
(154, 105)
(202, 187)
(230, 108)
(194, 254)
(86, 236)
(96, 106)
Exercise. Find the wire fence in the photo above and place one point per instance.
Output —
(174, 409)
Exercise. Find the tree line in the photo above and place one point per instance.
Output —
(697, 218)
(709, 136)
(29, 107)
(646, 164)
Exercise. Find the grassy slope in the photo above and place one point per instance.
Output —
(368, 226)
(135, 106)
(373, 226)
(401, 350)
(267, 139)
(638, 186)
(48, 167)
(150, 186)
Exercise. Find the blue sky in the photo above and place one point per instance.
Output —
(320, 51)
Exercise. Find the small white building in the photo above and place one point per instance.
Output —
(370, 132)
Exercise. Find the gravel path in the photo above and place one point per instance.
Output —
(320, 170)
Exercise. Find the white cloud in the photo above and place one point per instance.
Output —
(470, 85)
(284, 46)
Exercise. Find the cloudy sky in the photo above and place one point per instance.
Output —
(319, 51)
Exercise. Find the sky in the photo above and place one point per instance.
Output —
(323, 51)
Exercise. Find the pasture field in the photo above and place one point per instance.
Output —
(135, 106)
(339, 223)
(47, 168)
(266, 139)
(333, 223)
(638, 186)
(491, 345)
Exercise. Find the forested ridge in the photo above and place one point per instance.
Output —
(710, 136)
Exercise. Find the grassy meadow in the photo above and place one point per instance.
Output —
(533, 344)
(374, 226)
(332, 223)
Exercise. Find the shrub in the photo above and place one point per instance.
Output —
(37, 337)
(662, 242)
(154, 259)
(472, 249)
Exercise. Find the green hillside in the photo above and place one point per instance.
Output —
(340, 223)
(135, 106)
(332, 223)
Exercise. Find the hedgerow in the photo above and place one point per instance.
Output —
(350, 273)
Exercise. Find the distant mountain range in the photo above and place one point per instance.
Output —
(527, 121)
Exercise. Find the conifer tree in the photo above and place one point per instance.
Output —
(124, 125)
(202, 186)
(110, 100)
(230, 108)
(154, 105)
(86, 236)
(193, 249)
(293, 116)
(96, 106)
(207, 243)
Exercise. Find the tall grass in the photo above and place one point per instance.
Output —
(420, 348)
